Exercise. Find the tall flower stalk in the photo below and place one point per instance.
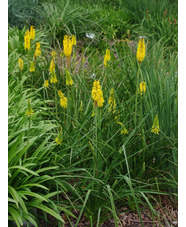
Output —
(29, 112)
(140, 55)
(97, 96)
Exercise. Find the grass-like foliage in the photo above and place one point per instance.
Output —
(76, 144)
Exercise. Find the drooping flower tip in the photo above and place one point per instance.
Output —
(156, 128)
(69, 80)
(123, 129)
(29, 110)
(59, 138)
(53, 78)
(32, 67)
(112, 101)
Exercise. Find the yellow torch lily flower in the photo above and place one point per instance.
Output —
(38, 50)
(142, 87)
(107, 57)
(20, 61)
(141, 50)
(52, 67)
(97, 94)
(27, 40)
(32, 33)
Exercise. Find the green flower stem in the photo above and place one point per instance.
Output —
(137, 87)
(28, 135)
(96, 139)
(55, 88)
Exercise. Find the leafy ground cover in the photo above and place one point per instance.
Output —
(93, 125)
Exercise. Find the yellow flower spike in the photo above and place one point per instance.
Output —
(107, 57)
(142, 87)
(112, 101)
(73, 40)
(67, 45)
(156, 128)
(59, 138)
(69, 80)
(32, 33)
(63, 102)
(20, 61)
(38, 50)
(123, 129)
(52, 67)
(27, 40)
(53, 78)
(53, 55)
(141, 50)
(46, 83)
(29, 110)
(32, 67)
(97, 94)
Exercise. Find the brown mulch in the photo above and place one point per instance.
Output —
(167, 217)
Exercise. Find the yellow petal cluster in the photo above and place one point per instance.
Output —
(32, 33)
(29, 110)
(156, 128)
(52, 67)
(112, 101)
(107, 57)
(141, 50)
(97, 94)
(67, 45)
(63, 99)
(38, 50)
(142, 87)
(20, 61)
(69, 80)
(32, 67)
(46, 83)
(27, 40)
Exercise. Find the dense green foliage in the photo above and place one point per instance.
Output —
(96, 167)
